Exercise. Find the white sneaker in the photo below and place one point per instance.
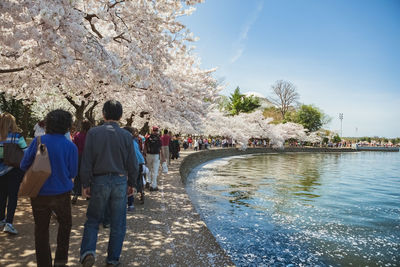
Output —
(8, 228)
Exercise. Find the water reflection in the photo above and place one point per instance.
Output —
(303, 209)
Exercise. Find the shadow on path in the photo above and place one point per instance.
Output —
(165, 231)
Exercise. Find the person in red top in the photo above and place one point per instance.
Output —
(165, 139)
(79, 140)
(190, 142)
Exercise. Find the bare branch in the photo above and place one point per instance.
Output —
(285, 96)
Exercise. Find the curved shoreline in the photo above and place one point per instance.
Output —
(165, 231)
(194, 159)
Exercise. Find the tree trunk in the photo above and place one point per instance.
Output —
(145, 129)
(89, 114)
(129, 120)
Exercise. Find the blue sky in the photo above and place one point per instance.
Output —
(343, 56)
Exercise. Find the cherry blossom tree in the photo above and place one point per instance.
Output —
(93, 50)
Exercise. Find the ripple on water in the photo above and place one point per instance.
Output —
(303, 209)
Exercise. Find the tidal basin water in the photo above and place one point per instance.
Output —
(303, 209)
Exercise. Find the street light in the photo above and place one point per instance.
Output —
(341, 120)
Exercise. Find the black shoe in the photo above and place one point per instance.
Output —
(141, 199)
(74, 200)
(153, 189)
(88, 261)
(106, 225)
(147, 186)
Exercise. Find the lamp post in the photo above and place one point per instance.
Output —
(341, 120)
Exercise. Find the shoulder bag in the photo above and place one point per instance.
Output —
(37, 173)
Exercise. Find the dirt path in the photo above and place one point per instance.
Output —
(165, 231)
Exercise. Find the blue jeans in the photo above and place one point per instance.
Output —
(106, 190)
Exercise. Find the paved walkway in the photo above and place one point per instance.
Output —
(165, 231)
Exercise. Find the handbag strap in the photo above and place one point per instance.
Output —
(39, 142)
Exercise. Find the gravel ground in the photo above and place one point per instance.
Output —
(164, 231)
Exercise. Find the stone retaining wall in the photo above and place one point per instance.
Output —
(194, 159)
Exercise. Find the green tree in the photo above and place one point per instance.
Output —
(336, 139)
(22, 113)
(310, 117)
(240, 103)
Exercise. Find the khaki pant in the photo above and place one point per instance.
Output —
(165, 154)
(153, 163)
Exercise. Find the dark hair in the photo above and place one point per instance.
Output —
(58, 121)
(86, 125)
(165, 131)
(112, 110)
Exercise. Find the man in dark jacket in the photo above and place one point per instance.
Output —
(152, 148)
(109, 170)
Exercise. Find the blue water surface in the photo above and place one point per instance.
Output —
(303, 209)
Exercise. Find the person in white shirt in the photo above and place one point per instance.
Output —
(39, 128)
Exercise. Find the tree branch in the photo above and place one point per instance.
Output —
(72, 102)
(120, 36)
(116, 3)
(89, 18)
(22, 68)
(141, 88)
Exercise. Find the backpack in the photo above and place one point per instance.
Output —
(153, 144)
(12, 153)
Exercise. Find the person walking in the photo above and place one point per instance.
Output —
(152, 148)
(10, 177)
(39, 128)
(79, 140)
(108, 172)
(140, 158)
(175, 147)
(54, 196)
(165, 140)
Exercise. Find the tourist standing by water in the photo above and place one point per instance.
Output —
(190, 142)
(54, 196)
(10, 177)
(108, 172)
(79, 140)
(152, 148)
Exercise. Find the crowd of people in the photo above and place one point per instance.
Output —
(105, 164)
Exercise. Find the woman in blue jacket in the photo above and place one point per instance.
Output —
(54, 196)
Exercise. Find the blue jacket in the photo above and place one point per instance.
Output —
(63, 155)
(139, 155)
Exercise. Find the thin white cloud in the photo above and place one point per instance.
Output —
(238, 54)
(239, 45)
